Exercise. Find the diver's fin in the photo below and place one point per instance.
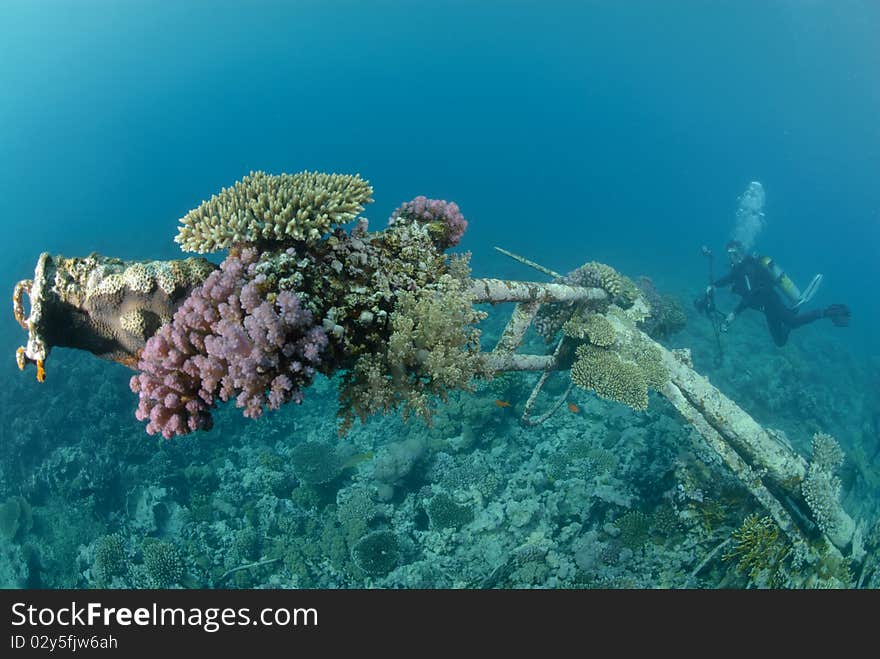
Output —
(810, 291)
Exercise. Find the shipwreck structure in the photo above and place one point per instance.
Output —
(395, 315)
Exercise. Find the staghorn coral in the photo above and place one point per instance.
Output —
(273, 208)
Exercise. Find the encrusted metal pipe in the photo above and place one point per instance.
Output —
(494, 291)
(105, 305)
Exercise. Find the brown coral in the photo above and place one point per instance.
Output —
(433, 348)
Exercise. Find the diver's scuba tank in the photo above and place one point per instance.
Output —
(787, 286)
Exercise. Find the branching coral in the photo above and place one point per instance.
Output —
(266, 208)
(297, 295)
(163, 562)
(227, 341)
(594, 328)
(611, 377)
(622, 374)
(634, 527)
(759, 550)
(110, 559)
(821, 490)
(621, 290)
(433, 348)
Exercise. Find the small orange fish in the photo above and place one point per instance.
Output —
(502, 403)
(574, 409)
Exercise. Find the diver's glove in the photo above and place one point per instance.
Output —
(725, 324)
(838, 313)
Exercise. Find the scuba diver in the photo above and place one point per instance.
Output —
(756, 279)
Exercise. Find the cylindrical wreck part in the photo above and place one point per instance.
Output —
(107, 306)
(495, 291)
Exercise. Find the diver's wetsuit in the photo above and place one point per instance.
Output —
(755, 284)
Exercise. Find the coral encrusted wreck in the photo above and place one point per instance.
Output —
(298, 295)
(392, 314)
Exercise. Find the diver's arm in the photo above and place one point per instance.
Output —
(730, 277)
(726, 280)
(737, 310)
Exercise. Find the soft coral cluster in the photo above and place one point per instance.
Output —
(444, 219)
(229, 339)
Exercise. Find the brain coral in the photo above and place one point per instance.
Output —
(273, 208)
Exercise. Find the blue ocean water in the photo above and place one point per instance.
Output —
(567, 132)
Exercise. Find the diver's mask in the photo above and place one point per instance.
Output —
(735, 252)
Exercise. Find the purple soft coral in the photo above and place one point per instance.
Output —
(227, 341)
(437, 212)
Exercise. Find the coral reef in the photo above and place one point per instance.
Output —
(226, 341)
(667, 315)
(164, 563)
(294, 297)
(623, 374)
(433, 348)
(377, 553)
(759, 550)
(444, 220)
(280, 208)
(621, 290)
(471, 500)
(530, 507)
(821, 490)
